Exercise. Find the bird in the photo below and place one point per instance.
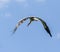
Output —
(33, 18)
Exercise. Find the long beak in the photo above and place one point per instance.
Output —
(29, 23)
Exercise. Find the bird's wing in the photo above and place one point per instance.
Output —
(19, 23)
(45, 26)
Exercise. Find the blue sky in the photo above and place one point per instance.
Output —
(33, 38)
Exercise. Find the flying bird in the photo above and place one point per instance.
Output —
(33, 18)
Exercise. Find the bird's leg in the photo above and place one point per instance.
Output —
(29, 23)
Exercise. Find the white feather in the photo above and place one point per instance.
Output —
(36, 19)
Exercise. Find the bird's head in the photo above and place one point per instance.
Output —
(33, 18)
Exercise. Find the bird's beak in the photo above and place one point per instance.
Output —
(29, 23)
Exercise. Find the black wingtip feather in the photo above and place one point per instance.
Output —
(50, 34)
(48, 31)
(14, 30)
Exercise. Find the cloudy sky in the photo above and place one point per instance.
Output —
(33, 38)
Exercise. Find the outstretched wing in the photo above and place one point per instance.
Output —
(19, 23)
(45, 26)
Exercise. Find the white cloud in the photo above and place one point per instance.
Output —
(22, 2)
(25, 3)
(58, 35)
(3, 3)
(7, 14)
(40, 1)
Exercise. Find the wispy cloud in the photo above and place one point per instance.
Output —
(3, 3)
(22, 2)
(25, 3)
(40, 1)
(58, 35)
(7, 14)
